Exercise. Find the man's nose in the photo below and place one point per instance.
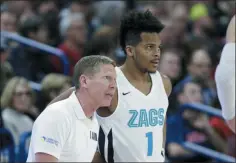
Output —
(113, 84)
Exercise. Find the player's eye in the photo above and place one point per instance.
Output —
(149, 47)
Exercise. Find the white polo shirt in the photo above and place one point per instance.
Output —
(63, 131)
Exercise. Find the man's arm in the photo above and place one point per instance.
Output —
(168, 89)
(98, 158)
(63, 96)
(230, 34)
(225, 77)
(43, 157)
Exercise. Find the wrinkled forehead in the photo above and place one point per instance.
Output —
(103, 69)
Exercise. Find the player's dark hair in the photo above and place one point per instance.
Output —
(134, 23)
(89, 65)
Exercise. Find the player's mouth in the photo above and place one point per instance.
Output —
(155, 62)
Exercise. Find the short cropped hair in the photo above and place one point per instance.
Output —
(89, 65)
(134, 24)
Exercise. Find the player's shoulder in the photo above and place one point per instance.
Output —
(167, 83)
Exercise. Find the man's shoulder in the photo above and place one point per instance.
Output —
(55, 112)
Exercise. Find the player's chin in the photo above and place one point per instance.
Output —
(152, 70)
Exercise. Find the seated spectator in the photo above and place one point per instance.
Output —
(109, 36)
(52, 86)
(17, 102)
(73, 30)
(197, 128)
(6, 71)
(103, 42)
(199, 66)
(170, 64)
(29, 62)
(8, 21)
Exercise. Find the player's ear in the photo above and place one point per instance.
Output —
(129, 50)
(83, 79)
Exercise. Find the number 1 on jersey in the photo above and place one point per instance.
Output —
(150, 143)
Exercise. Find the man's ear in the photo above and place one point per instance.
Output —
(129, 50)
(83, 81)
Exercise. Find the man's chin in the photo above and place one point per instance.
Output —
(106, 103)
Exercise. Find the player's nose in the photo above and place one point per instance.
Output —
(157, 52)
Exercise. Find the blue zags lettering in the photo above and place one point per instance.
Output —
(145, 118)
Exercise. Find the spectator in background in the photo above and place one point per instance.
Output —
(75, 6)
(52, 85)
(49, 11)
(73, 30)
(197, 128)
(170, 64)
(110, 12)
(199, 66)
(29, 62)
(102, 45)
(17, 102)
(18, 7)
(202, 22)
(117, 53)
(104, 42)
(6, 71)
(86, 8)
(8, 21)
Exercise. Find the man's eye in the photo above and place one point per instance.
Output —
(107, 77)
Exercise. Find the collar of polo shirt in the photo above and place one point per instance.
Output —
(74, 102)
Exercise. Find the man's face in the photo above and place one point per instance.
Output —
(42, 34)
(78, 32)
(146, 54)
(22, 98)
(201, 65)
(102, 85)
(170, 65)
(192, 93)
(8, 22)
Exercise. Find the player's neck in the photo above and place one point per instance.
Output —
(130, 70)
(87, 104)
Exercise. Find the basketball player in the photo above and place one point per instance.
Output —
(67, 131)
(133, 128)
(225, 77)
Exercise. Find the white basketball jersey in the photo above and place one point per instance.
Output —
(134, 132)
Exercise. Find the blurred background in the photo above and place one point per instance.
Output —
(42, 40)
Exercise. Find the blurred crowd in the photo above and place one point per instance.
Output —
(192, 41)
